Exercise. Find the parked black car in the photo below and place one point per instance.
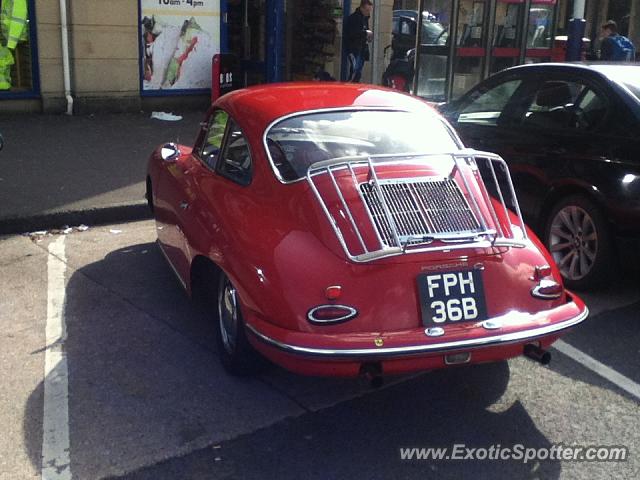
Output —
(571, 136)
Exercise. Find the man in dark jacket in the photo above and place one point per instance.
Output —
(358, 36)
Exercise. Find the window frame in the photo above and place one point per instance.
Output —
(223, 149)
(523, 92)
(202, 138)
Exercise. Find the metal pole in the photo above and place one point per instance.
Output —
(575, 32)
(66, 64)
(416, 58)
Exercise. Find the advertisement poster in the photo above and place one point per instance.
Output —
(179, 39)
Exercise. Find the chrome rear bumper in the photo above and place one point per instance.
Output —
(430, 348)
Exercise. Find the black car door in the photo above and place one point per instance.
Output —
(560, 141)
(487, 118)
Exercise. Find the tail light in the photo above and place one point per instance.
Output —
(330, 314)
(547, 289)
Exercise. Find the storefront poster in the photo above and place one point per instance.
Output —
(179, 40)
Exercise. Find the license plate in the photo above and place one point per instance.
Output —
(452, 297)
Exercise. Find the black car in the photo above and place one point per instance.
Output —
(571, 136)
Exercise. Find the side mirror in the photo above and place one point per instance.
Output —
(169, 152)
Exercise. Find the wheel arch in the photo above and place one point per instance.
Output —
(203, 269)
(565, 190)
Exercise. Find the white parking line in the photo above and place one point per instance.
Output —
(55, 422)
(605, 372)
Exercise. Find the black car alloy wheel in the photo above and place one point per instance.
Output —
(577, 237)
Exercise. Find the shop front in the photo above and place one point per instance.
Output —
(131, 55)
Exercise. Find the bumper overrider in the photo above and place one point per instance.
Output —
(494, 339)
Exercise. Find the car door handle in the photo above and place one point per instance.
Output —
(184, 205)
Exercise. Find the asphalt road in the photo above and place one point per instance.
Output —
(146, 397)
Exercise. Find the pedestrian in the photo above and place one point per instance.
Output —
(13, 29)
(615, 47)
(358, 36)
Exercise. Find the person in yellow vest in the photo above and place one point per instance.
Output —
(13, 29)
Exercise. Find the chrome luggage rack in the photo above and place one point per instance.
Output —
(409, 215)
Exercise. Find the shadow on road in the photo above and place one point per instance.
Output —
(147, 395)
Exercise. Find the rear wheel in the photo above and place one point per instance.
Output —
(578, 238)
(236, 353)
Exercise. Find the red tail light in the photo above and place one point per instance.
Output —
(547, 289)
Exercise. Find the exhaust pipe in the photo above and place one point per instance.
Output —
(373, 373)
(534, 352)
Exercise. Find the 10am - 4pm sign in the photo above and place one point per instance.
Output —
(179, 39)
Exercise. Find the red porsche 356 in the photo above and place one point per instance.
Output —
(344, 230)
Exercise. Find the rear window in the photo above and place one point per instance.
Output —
(296, 143)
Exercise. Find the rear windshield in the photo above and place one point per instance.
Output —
(297, 142)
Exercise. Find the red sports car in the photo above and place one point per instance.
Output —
(344, 230)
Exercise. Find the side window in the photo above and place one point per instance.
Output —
(395, 26)
(406, 27)
(213, 138)
(486, 107)
(590, 110)
(553, 105)
(235, 159)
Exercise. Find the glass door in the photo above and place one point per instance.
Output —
(507, 34)
(433, 38)
(471, 45)
(247, 37)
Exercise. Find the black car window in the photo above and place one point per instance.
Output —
(407, 26)
(486, 106)
(590, 110)
(213, 138)
(565, 105)
(235, 159)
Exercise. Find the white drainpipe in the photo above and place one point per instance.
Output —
(64, 30)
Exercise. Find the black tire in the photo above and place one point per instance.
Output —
(578, 237)
(149, 196)
(237, 355)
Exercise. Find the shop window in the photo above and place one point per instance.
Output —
(16, 52)
(541, 17)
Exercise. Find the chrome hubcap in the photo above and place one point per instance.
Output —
(573, 242)
(228, 315)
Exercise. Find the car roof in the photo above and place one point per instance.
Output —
(260, 105)
(608, 69)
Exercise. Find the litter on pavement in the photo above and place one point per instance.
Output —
(169, 117)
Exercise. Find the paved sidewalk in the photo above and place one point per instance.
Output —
(57, 170)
